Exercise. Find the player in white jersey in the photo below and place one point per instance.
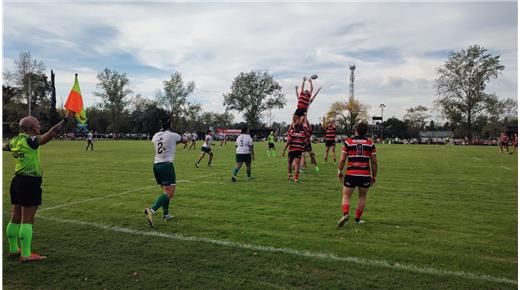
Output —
(165, 144)
(244, 153)
(90, 141)
(206, 148)
(186, 136)
(194, 137)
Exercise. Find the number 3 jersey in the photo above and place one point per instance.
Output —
(165, 143)
(359, 152)
(244, 144)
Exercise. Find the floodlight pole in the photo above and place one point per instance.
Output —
(29, 96)
(382, 106)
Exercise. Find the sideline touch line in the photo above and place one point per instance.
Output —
(324, 256)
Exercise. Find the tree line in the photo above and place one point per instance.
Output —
(460, 86)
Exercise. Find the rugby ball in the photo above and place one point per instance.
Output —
(314, 77)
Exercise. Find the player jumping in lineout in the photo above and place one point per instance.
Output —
(305, 98)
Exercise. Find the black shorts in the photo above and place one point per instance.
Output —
(354, 180)
(330, 143)
(271, 145)
(308, 147)
(205, 149)
(26, 190)
(294, 154)
(243, 158)
(300, 112)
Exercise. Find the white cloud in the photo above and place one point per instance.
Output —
(211, 43)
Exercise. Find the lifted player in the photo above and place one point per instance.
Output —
(305, 98)
(359, 153)
(165, 144)
(296, 143)
(244, 153)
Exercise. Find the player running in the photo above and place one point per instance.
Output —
(296, 143)
(270, 144)
(206, 148)
(193, 144)
(26, 191)
(305, 98)
(515, 143)
(165, 144)
(186, 136)
(90, 141)
(244, 153)
(330, 141)
(360, 154)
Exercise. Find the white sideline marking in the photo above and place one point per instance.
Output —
(476, 158)
(324, 256)
(117, 194)
(506, 168)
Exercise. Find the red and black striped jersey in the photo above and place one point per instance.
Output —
(330, 134)
(303, 101)
(308, 133)
(359, 153)
(504, 137)
(296, 140)
(515, 140)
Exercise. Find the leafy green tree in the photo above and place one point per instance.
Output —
(253, 94)
(461, 85)
(174, 97)
(416, 119)
(114, 90)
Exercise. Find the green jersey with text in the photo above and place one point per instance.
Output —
(26, 152)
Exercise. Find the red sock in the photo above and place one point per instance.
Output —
(346, 208)
(358, 213)
(296, 175)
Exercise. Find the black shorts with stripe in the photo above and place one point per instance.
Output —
(294, 154)
(330, 143)
(355, 180)
(300, 112)
(243, 158)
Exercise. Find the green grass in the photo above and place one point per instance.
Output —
(451, 209)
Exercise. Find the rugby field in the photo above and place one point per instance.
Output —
(438, 217)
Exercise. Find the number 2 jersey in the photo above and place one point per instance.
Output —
(165, 143)
(359, 152)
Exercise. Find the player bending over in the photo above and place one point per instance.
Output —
(296, 143)
(305, 98)
(330, 141)
(359, 153)
(244, 153)
(270, 144)
(206, 148)
(26, 191)
(165, 144)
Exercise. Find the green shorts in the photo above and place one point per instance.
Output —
(243, 158)
(164, 173)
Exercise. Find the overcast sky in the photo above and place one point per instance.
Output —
(396, 47)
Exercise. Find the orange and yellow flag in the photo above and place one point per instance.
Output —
(74, 102)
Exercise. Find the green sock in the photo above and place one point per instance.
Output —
(25, 235)
(274, 153)
(235, 171)
(165, 207)
(248, 172)
(162, 199)
(12, 232)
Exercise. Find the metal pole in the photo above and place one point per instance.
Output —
(29, 96)
(382, 106)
